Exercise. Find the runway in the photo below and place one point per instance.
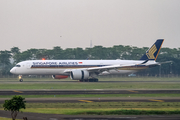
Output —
(85, 91)
(88, 100)
(43, 116)
(55, 99)
(76, 81)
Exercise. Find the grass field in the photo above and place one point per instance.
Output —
(97, 107)
(131, 85)
(1, 118)
(108, 111)
(102, 108)
(163, 83)
(101, 78)
(106, 105)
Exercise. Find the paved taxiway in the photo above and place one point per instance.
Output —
(75, 81)
(112, 99)
(95, 91)
(38, 116)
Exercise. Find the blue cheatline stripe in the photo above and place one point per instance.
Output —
(65, 66)
(87, 66)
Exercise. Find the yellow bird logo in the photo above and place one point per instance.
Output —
(150, 53)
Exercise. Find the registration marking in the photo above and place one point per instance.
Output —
(156, 100)
(85, 101)
(132, 91)
(17, 91)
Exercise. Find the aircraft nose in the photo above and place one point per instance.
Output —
(13, 71)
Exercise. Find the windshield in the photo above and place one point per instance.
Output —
(18, 66)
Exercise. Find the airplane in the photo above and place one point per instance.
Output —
(88, 70)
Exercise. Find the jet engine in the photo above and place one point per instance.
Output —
(79, 74)
(59, 76)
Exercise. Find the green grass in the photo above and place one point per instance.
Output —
(104, 105)
(104, 108)
(125, 112)
(29, 83)
(2, 118)
(131, 85)
(114, 111)
(103, 111)
(101, 78)
(98, 108)
(93, 95)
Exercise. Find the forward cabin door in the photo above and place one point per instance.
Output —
(28, 65)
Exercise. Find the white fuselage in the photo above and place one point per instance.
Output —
(58, 67)
(85, 69)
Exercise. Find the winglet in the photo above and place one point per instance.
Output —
(153, 51)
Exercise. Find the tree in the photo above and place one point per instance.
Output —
(33, 53)
(43, 53)
(5, 57)
(14, 105)
(16, 54)
(5, 62)
(80, 53)
(25, 55)
(15, 50)
(69, 53)
(57, 53)
(98, 52)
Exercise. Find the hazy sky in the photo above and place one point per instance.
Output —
(74, 23)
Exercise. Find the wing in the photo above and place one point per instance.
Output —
(98, 70)
(107, 68)
(110, 67)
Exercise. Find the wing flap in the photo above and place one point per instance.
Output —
(107, 68)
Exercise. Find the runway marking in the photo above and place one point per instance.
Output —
(156, 100)
(132, 91)
(17, 91)
(85, 101)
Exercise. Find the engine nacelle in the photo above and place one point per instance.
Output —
(59, 76)
(79, 74)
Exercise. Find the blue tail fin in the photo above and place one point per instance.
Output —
(152, 53)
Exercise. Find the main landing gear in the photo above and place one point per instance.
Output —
(20, 78)
(89, 80)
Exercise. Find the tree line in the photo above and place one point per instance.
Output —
(8, 58)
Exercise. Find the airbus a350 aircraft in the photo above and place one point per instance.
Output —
(87, 70)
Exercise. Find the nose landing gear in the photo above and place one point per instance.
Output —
(20, 78)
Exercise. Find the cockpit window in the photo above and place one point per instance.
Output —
(18, 66)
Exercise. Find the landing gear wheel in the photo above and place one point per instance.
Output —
(21, 80)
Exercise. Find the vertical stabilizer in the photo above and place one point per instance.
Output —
(153, 51)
